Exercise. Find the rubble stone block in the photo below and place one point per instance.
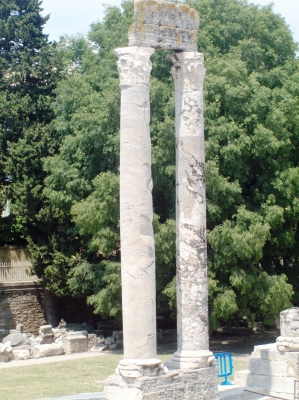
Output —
(99, 347)
(62, 324)
(34, 341)
(109, 340)
(5, 351)
(16, 339)
(92, 340)
(20, 354)
(19, 328)
(101, 339)
(117, 335)
(22, 347)
(75, 342)
(47, 340)
(58, 332)
(46, 331)
(47, 350)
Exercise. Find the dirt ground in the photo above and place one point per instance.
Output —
(240, 347)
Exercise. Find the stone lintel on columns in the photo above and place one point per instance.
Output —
(134, 65)
(164, 25)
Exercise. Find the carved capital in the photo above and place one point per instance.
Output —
(188, 70)
(134, 65)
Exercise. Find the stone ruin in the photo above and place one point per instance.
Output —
(65, 339)
(192, 371)
(274, 368)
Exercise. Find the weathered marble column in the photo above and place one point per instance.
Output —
(192, 284)
(136, 215)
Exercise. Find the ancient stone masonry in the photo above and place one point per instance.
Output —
(22, 304)
(274, 366)
(164, 26)
(140, 375)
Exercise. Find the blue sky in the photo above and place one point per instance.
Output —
(73, 16)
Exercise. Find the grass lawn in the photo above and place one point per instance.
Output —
(56, 379)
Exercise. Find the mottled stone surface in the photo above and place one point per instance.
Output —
(75, 342)
(136, 208)
(162, 25)
(287, 343)
(16, 339)
(47, 350)
(5, 351)
(289, 322)
(192, 287)
(20, 354)
(24, 303)
(172, 385)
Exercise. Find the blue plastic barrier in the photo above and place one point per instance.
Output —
(225, 365)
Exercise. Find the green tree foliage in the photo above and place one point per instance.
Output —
(251, 130)
(28, 75)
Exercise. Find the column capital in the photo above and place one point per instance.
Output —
(188, 70)
(134, 65)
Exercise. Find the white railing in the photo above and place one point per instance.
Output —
(16, 271)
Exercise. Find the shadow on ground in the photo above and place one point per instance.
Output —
(239, 346)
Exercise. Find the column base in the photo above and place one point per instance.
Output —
(188, 359)
(135, 368)
(172, 385)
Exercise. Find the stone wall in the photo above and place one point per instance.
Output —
(22, 303)
(14, 254)
(200, 384)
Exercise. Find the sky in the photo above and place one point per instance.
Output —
(75, 16)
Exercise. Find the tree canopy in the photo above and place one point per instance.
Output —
(28, 76)
(62, 164)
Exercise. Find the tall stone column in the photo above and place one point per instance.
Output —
(136, 215)
(192, 283)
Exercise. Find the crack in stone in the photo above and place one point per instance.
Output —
(131, 275)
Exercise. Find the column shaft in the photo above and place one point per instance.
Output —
(192, 284)
(136, 210)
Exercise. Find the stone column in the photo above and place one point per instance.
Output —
(192, 284)
(136, 215)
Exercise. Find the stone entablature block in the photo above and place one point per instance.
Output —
(160, 25)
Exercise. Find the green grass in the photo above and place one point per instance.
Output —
(56, 379)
